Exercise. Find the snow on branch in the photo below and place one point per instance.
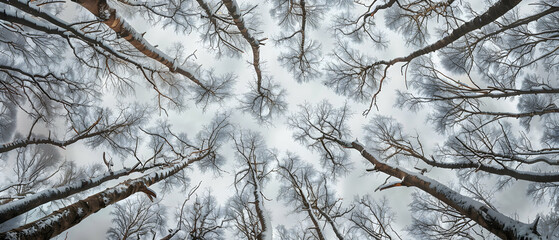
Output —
(66, 217)
(216, 88)
(109, 16)
(350, 74)
(266, 97)
(492, 220)
(15, 208)
(56, 26)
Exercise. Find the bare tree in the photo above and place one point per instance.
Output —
(69, 216)
(34, 168)
(372, 219)
(247, 209)
(297, 178)
(361, 77)
(482, 214)
(110, 18)
(91, 49)
(211, 138)
(483, 74)
(456, 102)
(435, 220)
(309, 192)
(266, 98)
(296, 233)
(203, 219)
(137, 217)
(333, 157)
(548, 226)
(302, 56)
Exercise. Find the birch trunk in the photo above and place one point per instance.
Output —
(101, 9)
(65, 218)
(15, 208)
(497, 223)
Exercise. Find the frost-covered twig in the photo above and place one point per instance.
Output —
(109, 16)
(66, 217)
(15, 208)
(497, 223)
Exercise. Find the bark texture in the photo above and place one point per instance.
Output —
(109, 16)
(235, 13)
(65, 218)
(15, 208)
(494, 12)
(497, 223)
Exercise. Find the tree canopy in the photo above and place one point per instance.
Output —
(279, 119)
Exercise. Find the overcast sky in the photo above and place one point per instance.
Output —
(277, 135)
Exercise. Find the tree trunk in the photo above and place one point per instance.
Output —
(497, 223)
(258, 203)
(15, 208)
(494, 12)
(67, 217)
(235, 13)
(102, 10)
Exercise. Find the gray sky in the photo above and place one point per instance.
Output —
(278, 136)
